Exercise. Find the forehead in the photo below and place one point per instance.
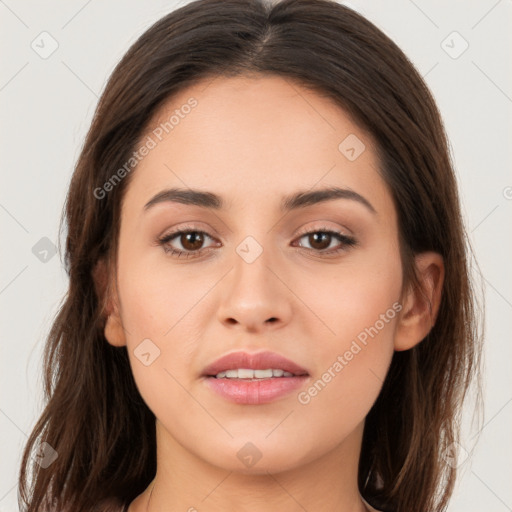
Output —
(254, 137)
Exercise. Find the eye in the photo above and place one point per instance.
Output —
(191, 242)
(320, 241)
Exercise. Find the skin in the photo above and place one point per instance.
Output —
(253, 140)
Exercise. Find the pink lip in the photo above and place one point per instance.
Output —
(247, 392)
(254, 392)
(258, 361)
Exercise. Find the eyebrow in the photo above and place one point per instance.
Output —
(294, 201)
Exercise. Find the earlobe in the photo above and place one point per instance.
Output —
(114, 332)
(421, 305)
(107, 296)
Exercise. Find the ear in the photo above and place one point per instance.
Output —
(106, 290)
(420, 306)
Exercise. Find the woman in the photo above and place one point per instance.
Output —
(269, 301)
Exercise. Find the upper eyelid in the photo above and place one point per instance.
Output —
(191, 227)
(306, 231)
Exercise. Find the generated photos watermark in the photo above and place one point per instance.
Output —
(150, 143)
(357, 345)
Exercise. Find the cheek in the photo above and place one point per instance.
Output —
(359, 308)
(353, 297)
(157, 311)
(159, 297)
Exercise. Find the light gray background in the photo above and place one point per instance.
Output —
(47, 105)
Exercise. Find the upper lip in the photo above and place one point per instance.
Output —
(257, 361)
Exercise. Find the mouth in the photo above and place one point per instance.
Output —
(260, 365)
(254, 379)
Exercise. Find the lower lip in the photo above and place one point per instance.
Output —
(255, 392)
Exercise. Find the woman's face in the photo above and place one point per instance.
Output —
(260, 272)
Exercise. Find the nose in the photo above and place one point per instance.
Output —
(255, 296)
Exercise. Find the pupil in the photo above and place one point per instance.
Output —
(194, 239)
(317, 240)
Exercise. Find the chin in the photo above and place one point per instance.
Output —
(260, 457)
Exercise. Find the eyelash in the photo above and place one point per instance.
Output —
(345, 240)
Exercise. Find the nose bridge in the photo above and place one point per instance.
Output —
(251, 276)
(255, 295)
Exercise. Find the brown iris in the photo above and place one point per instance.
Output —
(194, 238)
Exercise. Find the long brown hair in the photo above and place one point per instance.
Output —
(95, 419)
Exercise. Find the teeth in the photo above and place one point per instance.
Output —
(247, 373)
